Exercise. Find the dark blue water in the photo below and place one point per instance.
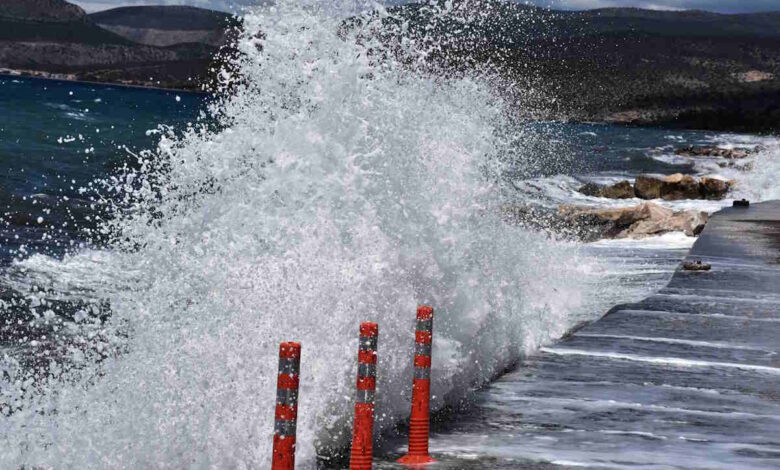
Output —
(585, 148)
(57, 139)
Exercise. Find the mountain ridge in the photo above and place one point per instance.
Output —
(54, 38)
(41, 10)
(677, 69)
(625, 65)
(165, 26)
(168, 17)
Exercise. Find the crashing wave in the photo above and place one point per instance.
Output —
(330, 188)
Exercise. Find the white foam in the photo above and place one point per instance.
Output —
(543, 404)
(646, 435)
(671, 240)
(670, 361)
(761, 183)
(744, 319)
(704, 344)
(333, 190)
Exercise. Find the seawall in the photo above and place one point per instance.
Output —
(686, 378)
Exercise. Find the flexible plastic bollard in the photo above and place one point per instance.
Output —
(286, 406)
(362, 433)
(419, 423)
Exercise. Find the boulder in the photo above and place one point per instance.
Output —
(714, 188)
(690, 222)
(621, 190)
(646, 219)
(591, 189)
(679, 186)
(648, 187)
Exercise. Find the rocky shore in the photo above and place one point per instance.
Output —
(670, 188)
(644, 220)
(644, 213)
(590, 224)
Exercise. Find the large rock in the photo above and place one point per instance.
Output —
(679, 186)
(714, 188)
(690, 222)
(591, 189)
(648, 187)
(646, 219)
(621, 190)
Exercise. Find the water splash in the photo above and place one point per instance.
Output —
(334, 188)
(761, 183)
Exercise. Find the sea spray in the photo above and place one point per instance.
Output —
(761, 181)
(333, 188)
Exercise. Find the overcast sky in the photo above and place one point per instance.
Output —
(723, 6)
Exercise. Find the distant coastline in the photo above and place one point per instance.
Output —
(625, 66)
(168, 47)
(67, 77)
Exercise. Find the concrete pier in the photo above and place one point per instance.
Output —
(688, 378)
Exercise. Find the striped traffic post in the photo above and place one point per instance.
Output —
(363, 429)
(419, 422)
(286, 406)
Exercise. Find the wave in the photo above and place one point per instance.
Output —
(761, 184)
(331, 187)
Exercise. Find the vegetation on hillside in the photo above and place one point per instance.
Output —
(688, 69)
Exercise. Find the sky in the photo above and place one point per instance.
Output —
(722, 6)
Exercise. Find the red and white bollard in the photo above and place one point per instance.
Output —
(362, 433)
(286, 406)
(419, 422)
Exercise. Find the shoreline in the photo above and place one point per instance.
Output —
(72, 78)
(662, 120)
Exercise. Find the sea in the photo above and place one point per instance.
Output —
(157, 245)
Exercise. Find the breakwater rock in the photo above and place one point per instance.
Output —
(591, 224)
(670, 188)
(646, 219)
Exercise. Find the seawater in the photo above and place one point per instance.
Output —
(57, 139)
(158, 246)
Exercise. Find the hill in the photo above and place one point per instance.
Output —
(688, 69)
(165, 18)
(682, 68)
(55, 38)
(691, 23)
(50, 21)
(166, 25)
(41, 10)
